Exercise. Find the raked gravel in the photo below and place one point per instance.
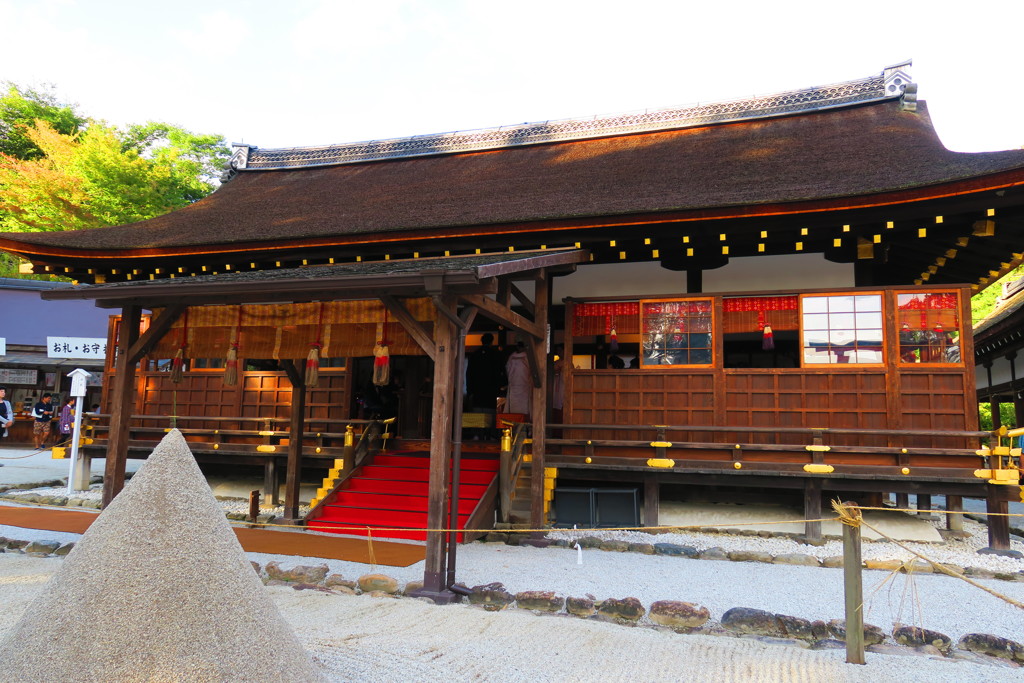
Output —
(362, 638)
(936, 602)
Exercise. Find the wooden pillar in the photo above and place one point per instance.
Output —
(270, 483)
(652, 500)
(123, 400)
(954, 504)
(812, 509)
(903, 501)
(538, 408)
(998, 523)
(296, 425)
(924, 504)
(434, 570)
(694, 281)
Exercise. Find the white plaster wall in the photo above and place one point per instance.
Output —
(619, 279)
(787, 271)
(752, 273)
(1000, 372)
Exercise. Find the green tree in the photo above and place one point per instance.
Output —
(1007, 416)
(984, 302)
(98, 177)
(20, 108)
(60, 171)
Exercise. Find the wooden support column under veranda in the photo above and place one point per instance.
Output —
(812, 509)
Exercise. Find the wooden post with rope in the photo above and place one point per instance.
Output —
(853, 583)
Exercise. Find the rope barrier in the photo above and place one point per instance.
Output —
(946, 512)
(850, 515)
(59, 444)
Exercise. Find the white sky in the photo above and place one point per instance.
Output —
(309, 72)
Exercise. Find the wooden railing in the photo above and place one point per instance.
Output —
(513, 440)
(356, 454)
(268, 436)
(812, 450)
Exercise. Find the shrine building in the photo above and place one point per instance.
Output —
(762, 297)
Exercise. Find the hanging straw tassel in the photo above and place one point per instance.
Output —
(231, 366)
(178, 366)
(313, 365)
(231, 360)
(381, 364)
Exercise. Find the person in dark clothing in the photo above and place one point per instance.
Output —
(43, 413)
(485, 376)
(6, 412)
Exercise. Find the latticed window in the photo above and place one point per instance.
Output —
(842, 329)
(929, 327)
(676, 332)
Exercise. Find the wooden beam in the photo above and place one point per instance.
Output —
(505, 316)
(411, 325)
(157, 329)
(121, 405)
(295, 429)
(531, 310)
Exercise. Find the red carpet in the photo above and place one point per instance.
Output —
(252, 540)
(389, 498)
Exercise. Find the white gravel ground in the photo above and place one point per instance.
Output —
(936, 602)
(381, 639)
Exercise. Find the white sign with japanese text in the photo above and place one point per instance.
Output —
(13, 376)
(76, 347)
(3, 346)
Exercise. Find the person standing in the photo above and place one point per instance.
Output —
(520, 383)
(67, 420)
(485, 376)
(43, 414)
(6, 412)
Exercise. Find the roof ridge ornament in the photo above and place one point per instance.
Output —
(897, 77)
(239, 160)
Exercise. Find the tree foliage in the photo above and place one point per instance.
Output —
(60, 171)
(984, 302)
(20, 108)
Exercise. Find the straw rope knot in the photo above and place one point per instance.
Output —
(849, 513)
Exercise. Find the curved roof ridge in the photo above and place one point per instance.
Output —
(888, 84)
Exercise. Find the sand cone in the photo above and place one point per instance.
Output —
(158, 589)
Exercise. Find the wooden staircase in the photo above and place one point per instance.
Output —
(388, 498)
